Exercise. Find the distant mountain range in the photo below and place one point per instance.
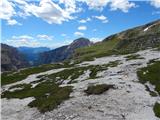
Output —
(15, 58)
(64, 52)
(11, 58)
(31, 53)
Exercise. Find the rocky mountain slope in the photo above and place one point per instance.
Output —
(107, 88)
(129, 41)
(64, 52)
(11, 58)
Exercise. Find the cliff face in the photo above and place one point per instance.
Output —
(64, 52)
(11, 58)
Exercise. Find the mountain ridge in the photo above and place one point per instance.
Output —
(128, 41)
(64, 52)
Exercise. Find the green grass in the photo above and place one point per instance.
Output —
(48, 95)
(98, 89)
(133, 57)
(98, 50)
(72, 73)
(97, 68)
(8, 78)
(151, 74)
(52, 100)
(21, 86)
(156, 109)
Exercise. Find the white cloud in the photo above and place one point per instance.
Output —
(96, 39)
(85, 20)
(64, 35)
(105, 21)
(102, 18)
(155, 12)
(23, 37)
(12, 22)
(23, 40)
(82, 28)
(59, 11)
(155, 3)
(45, 37)
(78, 34)
(123, 5)
(7, 12)
(47, 10)
(96, 4)
(70, 5)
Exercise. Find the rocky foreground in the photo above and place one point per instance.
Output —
(129, 100)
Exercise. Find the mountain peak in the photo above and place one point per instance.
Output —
(80, 42)
(81, 39)
(64, 52)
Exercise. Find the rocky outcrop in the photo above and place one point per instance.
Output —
(11, 58)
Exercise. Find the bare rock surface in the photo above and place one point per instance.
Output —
(128, 101)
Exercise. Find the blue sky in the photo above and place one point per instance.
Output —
(54, 23)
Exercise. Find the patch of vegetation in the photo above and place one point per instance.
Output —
(75, 72)
(48, 95)
(95, 69)
(114, 63)
(72, 74)
(152, 61)
(8, 78)
(151, 74)
(21, 86)
(156, 109)
(41, 76)
(98, 89)
(51, 100)
(133, 57)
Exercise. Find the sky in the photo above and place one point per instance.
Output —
(54, 23)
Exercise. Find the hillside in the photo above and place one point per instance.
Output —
(129, 41)
(108, 87)
(62, 53)
(12, 59)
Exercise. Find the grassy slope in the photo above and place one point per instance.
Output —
(97, 50)
(47, 93)
(151, 74)
(11, 77)
(128, 41)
